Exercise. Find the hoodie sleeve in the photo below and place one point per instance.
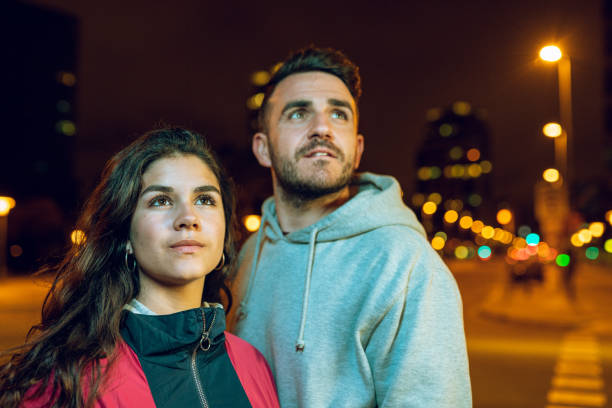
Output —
(417, 352)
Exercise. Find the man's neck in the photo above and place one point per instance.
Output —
(294, 214)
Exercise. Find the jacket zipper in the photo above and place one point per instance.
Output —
(204, 345)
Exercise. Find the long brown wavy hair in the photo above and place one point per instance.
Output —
(81, 314)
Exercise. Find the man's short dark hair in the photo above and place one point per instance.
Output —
(310, 59)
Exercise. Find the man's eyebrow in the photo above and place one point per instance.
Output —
(340, 103)
(166, 189)
(301, 103)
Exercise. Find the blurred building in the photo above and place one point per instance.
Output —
(36, 158)
(453, 167)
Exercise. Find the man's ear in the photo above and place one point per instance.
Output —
(261, 149)
(359, 150)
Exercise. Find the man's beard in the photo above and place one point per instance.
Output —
(298, 189)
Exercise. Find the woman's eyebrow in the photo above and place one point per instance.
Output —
(157, 187)
(204, 189)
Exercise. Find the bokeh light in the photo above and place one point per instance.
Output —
(260, 78)
(532, 239)
(455, 153)
(251, 222)
(474, 200)
(487, 232)
(462, 108)
(477, 226)
(608, 246)
(592, 253)
(486, 166)
(466, 222)
(576, 241)
(438, 243)
(429, 207)
(473, 154)
(445, 130)
(77, 237)
(451, 216)
(504, 216)
(597, 229)
(484, 252)
(461, 252)
(551, 53)
(552, 129)
(563, 260)
(524, 230)
(551, 175)
(474, 170)
(6, 204)
(435, 197)
(418, 199)
(255, 101)
(585, 235)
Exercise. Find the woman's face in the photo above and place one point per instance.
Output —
(178, 227)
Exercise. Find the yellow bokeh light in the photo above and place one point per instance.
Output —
(551, 53)
(487, 232)
(609, 216)
(254, 102)
(433, 114)
(466, 222)
(504, 216)
(461, 252)
(473, 154)
(457, 170)
(462, 108)
(438, 243)
(486, 166)
(597, 229)
(77, 237)
(6, 204)
(498, 235)
(260, 78)
(67, 78)
(519, 242)
(429, 207)
(585, 235)
(551, 175)
(424, 173)
(474, 170)
(608, 246)
(477, 226)
(251, 222)
(435, 197)
(451, 216)
(552, 129)
(575, 240)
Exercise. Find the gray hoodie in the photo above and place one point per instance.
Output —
(356, 310)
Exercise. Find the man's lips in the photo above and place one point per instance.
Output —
(187, 246)
(320, 153)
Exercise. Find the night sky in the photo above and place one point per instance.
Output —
(189, 62)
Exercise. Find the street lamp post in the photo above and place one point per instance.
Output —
(6, 205)
(552, 53)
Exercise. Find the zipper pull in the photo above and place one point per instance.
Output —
(205, 342)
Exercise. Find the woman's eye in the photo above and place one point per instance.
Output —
(338, 114)
(205, 200)
(160, 201)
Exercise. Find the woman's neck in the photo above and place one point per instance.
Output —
(165, 299)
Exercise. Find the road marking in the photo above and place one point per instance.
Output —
(587, 399)
(577, 381)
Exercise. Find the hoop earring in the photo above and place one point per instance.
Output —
(127, 264)
(221, 262)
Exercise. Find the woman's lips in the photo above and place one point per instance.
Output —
(187, 246)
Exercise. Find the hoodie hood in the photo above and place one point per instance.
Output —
(378, 203)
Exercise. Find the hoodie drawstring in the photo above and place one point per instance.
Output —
(300, 344)
(245, 300)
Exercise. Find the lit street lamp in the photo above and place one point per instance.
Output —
(6, 205)
(552, 53)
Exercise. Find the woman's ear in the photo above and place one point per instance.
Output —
(128, 247)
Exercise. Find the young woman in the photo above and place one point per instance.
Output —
(133, 317)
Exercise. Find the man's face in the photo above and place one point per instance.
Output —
(311, 141)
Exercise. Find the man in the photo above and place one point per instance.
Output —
(339, 289)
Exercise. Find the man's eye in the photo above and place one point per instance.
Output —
(338, 114)
(206, 199)
(298, 114)
(160, 201)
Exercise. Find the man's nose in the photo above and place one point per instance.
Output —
(321, 127)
